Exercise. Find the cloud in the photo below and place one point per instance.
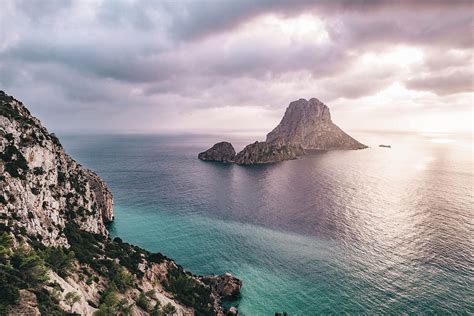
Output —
(446, 83)
(137, 59)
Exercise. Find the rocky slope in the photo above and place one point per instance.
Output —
(309, 124)
(265, 152)
(55, 253)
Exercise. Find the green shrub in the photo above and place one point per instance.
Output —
(54, 139)
(47, 305)
(31, 267)
(59, 259)
(143, 302)
(20, 268)
(6, 244)
(15, 163)
(86, 246)
(71, 298)
(189, 291)
(38, 171)
(9, 294)
(157, 309)
(168, 309)
(122, 279)
(151, 294)
(109, 302)
(61, 177)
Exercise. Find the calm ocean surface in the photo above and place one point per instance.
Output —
(383, 231)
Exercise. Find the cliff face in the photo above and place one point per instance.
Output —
(55, 254)
(309, 124)
(42, 188)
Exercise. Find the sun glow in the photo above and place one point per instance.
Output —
(302, 28)
(400, 56)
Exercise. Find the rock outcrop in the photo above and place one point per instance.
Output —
(309, 124)
(222, 152)
(226, 286)
(305, 125)
(55, 251)
(268, 152)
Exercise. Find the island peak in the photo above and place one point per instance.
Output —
(309, 124)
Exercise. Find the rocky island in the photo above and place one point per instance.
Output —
(309, 124)
(223, 152)
(306, 125)
(56, 257)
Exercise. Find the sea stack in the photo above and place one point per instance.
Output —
(309, 124)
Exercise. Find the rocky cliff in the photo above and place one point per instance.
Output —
(55, 251)
(42, 187)
(309, 124)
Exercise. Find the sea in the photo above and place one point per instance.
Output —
(374, 231)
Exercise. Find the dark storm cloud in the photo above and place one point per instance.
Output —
(38, 10)
(117, 53)
(200, 18)
(444, 84)
(92, 59)
(124, 58)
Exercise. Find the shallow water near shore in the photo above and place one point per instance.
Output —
(380, 230)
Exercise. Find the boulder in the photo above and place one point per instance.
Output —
(223, 152)
(225, 285)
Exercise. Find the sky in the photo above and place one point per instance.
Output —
(217, 67)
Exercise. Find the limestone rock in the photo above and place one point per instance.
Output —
(268, 152)
(309, 124)
(223, 152)
(41, 187)
(226, 285)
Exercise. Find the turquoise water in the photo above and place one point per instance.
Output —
(384, 231)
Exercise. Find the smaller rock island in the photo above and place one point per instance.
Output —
(256, 153)
(268, 152)
(223, 152)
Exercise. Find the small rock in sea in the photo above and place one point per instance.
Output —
(226, 285)
(223, 152)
